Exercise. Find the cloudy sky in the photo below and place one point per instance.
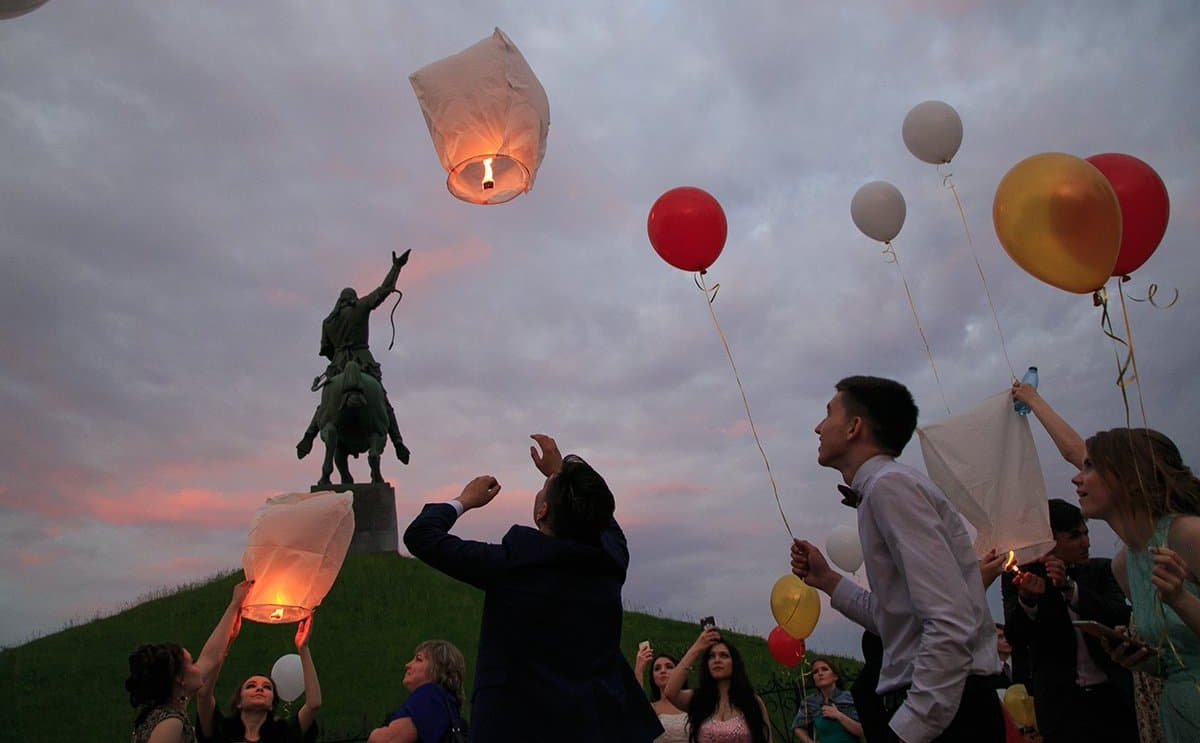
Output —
(186, 186)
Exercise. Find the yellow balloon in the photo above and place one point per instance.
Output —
(1058, 218)
(1019, 705)
(796, 606)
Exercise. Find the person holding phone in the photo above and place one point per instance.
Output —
(1079, 692)
(673, 719)
(1136, 480)
(723, 707)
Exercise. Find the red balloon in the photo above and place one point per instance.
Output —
(1145, 207)
(784, 648)
(687, 228)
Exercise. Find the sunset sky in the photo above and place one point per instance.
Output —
(185, 187)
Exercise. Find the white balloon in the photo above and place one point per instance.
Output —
(844, 548)
(878, 210)
(288, 675)
(933, 132)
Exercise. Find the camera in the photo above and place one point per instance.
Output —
(707, 622)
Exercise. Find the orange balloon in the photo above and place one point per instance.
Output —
(796, 606)
(1058, 218)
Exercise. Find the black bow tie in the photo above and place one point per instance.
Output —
(850, 496)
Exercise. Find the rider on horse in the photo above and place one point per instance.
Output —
(344, 336)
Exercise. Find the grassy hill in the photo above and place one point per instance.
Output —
(70, 685)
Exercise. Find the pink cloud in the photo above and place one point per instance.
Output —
(428, 263)
(192, 506)
(28, 558)
(737, 429)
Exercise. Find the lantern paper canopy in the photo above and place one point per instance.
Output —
(296, 547)
(14, 8)
(488, 116)
(986, 463)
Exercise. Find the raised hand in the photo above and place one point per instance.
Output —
(1169, 574)
(810, 566)
(549, 460)
(479, 492)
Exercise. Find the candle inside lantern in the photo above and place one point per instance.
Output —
(276, 615)
(488, 180)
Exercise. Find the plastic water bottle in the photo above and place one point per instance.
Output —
(1031, 379)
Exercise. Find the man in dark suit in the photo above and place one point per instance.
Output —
(549, 667)
(1079, 692)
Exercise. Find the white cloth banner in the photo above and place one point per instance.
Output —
(295, 549)
(986, 463)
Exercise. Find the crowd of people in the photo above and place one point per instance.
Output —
(934, 655)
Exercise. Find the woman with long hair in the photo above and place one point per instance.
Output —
(829, 715)
(163, 677)
(723, 707)
(1135, 480)
(252, 707)
(434, 680)
(673, 719)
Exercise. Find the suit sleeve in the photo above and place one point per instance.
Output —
(1101, 598)
(1018, 627)
(429, 540)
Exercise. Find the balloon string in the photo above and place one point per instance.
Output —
(1132, 356)
(948, 182)
(1150, 292)
(710, 295)
(890, 256)
(1100, 299)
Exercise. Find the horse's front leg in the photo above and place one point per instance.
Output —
(342, 460)
(329, 436)
(378, 442)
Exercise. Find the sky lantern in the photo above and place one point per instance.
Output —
(14, 8)
(295, 549)
(488, 116)
(986, 463)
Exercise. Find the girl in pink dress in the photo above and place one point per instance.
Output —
(723, 708)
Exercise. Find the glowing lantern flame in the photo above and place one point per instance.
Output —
(1011, 562)
(296, 546)
(488, 181)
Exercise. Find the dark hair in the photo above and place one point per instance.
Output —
(236, 712)
(741, 695)
(887, 406)
(832, 666)
(1064, 516)
(579, 504)
(447, 667)
(153, 670)
(655, 692)
(1145, 471)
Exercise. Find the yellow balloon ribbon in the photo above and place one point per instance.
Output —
(889, 255)
(710, 295)
(948, 182)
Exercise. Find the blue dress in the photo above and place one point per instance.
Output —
(1178, 647)
(427, 707)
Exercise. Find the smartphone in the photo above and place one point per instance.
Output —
(707, 622)
(643, 645)
(1108, 633)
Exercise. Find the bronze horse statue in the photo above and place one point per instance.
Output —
(352, 419)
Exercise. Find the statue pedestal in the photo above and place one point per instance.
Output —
(374, 516)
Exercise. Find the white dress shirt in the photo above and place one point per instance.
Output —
(927, 600)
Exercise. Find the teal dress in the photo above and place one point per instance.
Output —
(1156, 623)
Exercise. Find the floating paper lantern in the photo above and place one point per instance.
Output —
(986, 463)
(488, 116)
(296, 547)
(14, 8)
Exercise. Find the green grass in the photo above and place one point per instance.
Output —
(70, 685)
